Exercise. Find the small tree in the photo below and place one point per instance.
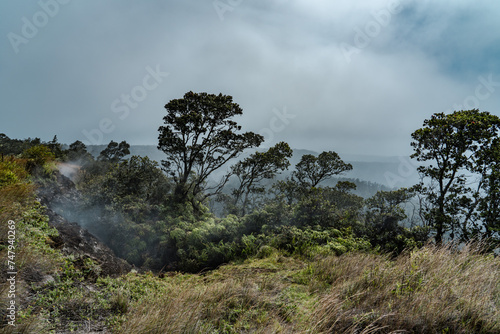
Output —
(199, 137)
(114, 152)
(77, 151)
(256, 168)
(384, 212)
(37, 156)
(311, 170)
(309, 173)
(56, 148)
(314, 205)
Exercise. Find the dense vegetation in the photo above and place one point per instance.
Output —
(305, 255)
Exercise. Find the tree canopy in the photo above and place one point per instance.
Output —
(199, 137)
(312, 170)
(114, 152)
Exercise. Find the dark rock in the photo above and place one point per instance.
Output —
(77, 241)
(73, 239)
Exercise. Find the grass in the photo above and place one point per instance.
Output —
(430, 290)
(257, 296)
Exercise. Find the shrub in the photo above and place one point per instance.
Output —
(37, 156)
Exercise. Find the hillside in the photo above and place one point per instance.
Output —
(63, 283)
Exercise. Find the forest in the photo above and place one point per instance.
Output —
(256, 252)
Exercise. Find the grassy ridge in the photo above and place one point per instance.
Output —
(431, 290)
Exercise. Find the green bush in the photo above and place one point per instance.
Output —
(37, 156)
(205, 243)
(7, 177)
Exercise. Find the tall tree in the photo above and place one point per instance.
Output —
(451, 144)
(199, 137)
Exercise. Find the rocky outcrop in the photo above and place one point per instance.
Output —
(77, 241)
(74, 239)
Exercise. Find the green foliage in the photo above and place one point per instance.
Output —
(311, 170)
(458, 146)
(7, 177)
(15, 146)
(37, 157)
(199, 137)
(77, 151)
(383, 218)
(256, 168)
(310, 242)
(15, 191)
(56, 148)
(315, 210)
(114, 152)
(125, 205)
(272, 215)
(40, 154)
(205, 243)
(320, 206)
(138, 178)
(489, 205)
(11, 173)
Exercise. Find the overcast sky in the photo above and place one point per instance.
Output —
(353, 76)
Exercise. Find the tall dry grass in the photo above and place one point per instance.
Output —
(431, 290)
(232, 306)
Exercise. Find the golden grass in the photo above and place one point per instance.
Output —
(431, 290)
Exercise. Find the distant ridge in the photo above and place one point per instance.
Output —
(392, 172)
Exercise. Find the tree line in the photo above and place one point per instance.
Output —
(460, 178)
(157, 216)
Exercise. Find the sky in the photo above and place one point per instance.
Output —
(352, 76)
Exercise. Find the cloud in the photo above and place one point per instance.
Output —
(269, 55)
